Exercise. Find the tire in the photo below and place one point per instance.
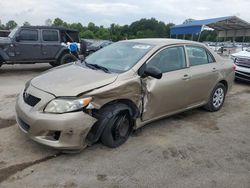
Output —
(65, 58)
(217, 98)
(118, 126)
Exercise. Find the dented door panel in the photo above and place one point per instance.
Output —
(165, 95)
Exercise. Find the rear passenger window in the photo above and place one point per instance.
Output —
(50, 35)
(198, 56)
(169, 59)
(210, 58)
(28, 35)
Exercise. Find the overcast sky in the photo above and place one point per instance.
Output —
(105, 12)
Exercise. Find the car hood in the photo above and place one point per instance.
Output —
(242, 54)
(5, 40)
(72, 80)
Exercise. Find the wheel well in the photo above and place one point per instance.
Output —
(134, 109)
(65, 51)
(224, 82)
(97, 129)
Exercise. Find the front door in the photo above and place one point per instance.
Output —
(28, 47)
(168, 94)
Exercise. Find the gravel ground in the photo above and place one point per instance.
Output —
(191, 149)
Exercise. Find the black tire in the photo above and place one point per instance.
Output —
(118, 126)
(65, 58)
(217, 98)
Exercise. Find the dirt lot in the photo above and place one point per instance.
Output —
(192, 149)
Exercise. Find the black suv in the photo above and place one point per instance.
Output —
(38, 44)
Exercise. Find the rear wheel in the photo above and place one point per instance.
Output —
(117, 128)
(217, 98)
(65, 58)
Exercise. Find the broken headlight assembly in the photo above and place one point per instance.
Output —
(65, 105)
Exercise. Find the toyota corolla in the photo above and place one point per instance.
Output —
(119, 89)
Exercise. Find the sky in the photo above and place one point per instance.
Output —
(105, 12)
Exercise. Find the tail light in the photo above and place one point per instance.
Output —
(234, 67)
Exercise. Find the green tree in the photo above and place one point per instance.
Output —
(92, 27)
(103, 33)
(87, 34)
(1, 25)
(58, 22)
(10, 24)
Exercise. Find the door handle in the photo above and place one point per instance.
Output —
(214, 69)
(36, 44)
(186, 77)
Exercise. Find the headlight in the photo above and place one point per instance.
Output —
(63, 105)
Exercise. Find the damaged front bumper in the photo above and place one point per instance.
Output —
(62, 131)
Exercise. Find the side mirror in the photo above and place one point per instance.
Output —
(153, 72)
(18, 38)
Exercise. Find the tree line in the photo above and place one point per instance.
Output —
(143, 28)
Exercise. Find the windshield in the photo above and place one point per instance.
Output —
(12, 33)
(119, 57)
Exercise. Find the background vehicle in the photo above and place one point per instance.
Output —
(97, 45)
(38, 44)
(242, 65)
(120, 88)
(4, 33)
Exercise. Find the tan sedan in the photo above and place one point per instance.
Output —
(121, 88)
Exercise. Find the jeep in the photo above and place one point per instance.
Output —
(38, 44)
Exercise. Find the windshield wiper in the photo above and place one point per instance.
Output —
(96, 66)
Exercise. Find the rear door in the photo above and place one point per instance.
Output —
(28, 48)
(50, 43)
(204, 74)
(168, 94)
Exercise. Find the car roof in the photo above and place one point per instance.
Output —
(49, 27)
(163, 41)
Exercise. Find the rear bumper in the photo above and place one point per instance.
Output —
(242, 73)
(62, 131)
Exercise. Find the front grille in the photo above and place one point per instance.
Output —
(242, 75)
(23, 125)
(30, 99)
(243, 62)
(245, 73)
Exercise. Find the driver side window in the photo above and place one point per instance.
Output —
(169, 59)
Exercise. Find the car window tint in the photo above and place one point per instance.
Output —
(169, 59)
(28, 35)
(50, 35)
(197, 55)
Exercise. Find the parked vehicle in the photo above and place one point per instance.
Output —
(38, 44)
(242, 65)
(120, 88)
(97, 45)
(4, 33)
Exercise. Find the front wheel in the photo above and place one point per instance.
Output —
(117, 129)
(217, 98)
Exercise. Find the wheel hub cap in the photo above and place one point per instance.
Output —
(218, 97)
